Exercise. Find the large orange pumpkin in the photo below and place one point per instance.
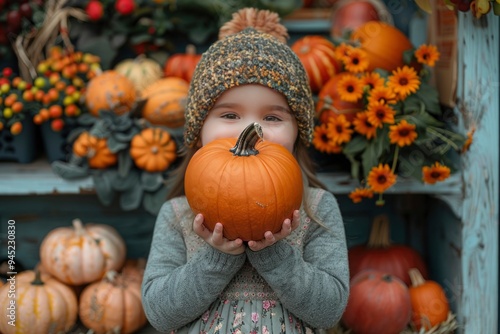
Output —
(112, 305)
(182, 65)
(95, 149)
(42, 305)
(380, 254)
(317, 54)
(329, 103)
(153, 150)
(166, 102)
(378, 303)
(428, 301)
(82, 254)
(384, 45)
(248, 185)
(110, 91)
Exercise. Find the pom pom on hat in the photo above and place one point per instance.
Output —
(252, 49)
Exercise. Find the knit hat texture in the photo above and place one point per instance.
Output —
(249, 56)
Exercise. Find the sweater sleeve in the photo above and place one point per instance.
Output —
(313, 285)
(176, 291)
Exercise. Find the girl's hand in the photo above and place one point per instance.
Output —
(270, 238)
(216, 238)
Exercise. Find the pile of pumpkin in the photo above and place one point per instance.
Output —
(83, 274)
(390, 291)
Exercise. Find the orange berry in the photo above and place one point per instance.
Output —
(28, 96)
(57, 124)
(1, 126)
(46, 100)
(9, 100)
(60, 85)
(16, 81)
(70, 90)
(38, 119)
(16, 128)
(39, 95)
(54, 78)
(83, 67)
(54, 94)
(55, 111)
(44, 113)
(17, 106)
(71, 110)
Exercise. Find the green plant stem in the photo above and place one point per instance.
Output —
(442, 137)
(395, 160)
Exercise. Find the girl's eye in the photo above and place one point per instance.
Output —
(272, 119)
(229, 116)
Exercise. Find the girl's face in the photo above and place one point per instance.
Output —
(239, 106)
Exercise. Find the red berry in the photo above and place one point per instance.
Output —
(125, 7)
(57, 124)
(25, 10)
(14, 20)
(94, 10)
(7, 72)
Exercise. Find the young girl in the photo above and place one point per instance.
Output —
(293, 281)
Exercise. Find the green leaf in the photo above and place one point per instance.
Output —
(104, 190)
(151, 181)
(355, 146)
(430, 97)
(124, 163)
(153, 201)
(122, 183)
(131, 198)
(69, 171)
(408, 56)
(100, 129)
(86, 119)
(115, 145)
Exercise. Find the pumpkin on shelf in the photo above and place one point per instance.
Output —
(317, 54)
(112, 305)
(428, 300)
(110, 91)
(153, 150)
(330, 104)
(380, 254)
(182, 65)
(82, 254)
(250, 186)
(42, 305)
(95, 150)
(383, 43)
(378, 303)
(142, 71)
(165, 102)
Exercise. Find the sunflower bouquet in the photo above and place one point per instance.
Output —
(395, 125)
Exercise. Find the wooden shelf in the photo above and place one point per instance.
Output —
(37, 178)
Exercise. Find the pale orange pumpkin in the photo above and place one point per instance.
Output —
(133, 270)
(384, 45)
(428, 300)
(42, 305)
(248, 185)
(317, 54)
(166, 102)
(153, 149)
(112, 304)
(142, 71)
(110, 91)
(95, 149)
(82, 254)
(182, 65)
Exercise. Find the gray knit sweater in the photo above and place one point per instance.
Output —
(307, 272)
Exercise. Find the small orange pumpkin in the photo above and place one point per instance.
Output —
(317, 54)
(182, 65)
(248, 185)
(82, 254)
(329, 103)
(153, 149)
(428, 300)
(384, 45)
(166, 102)
(112, 305)
(110, 91)
(95, 150)
(42, 305)
(142, 71)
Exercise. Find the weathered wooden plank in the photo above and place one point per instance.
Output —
(478, 102)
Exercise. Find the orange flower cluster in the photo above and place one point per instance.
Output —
(399, 112)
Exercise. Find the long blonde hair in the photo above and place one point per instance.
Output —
(301, 154)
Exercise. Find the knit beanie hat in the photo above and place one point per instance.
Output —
(251, 49)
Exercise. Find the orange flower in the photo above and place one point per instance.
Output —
(372, 80)
(363, 126)
(382, 94)
(427, 54)
(404, 81)
(435, 173)
(403, 133)
(321, 141)
(379, 113)
(359, 193)
(468, 141)
(339, 130)
(381, 178)
(356, 60)
(350, 88)
(342, 50)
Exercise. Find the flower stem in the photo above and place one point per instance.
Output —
(395, 160)
(442, 137)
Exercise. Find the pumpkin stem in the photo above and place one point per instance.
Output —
(110, 276)
(78, 226)
(379, 234)
(38, 277)
(245, 145)
(416, 277)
